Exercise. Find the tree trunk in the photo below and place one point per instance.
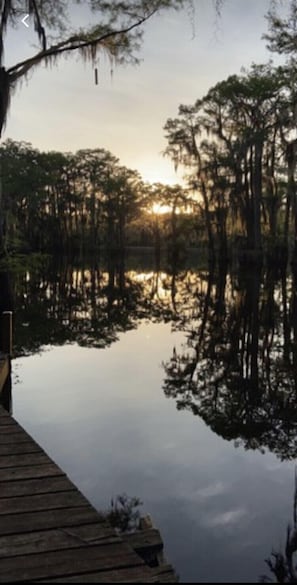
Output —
(257, 192)
(211, 248)
(291, 195)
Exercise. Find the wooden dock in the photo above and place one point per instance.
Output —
(49, 532)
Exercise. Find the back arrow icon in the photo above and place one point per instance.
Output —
(24, 20)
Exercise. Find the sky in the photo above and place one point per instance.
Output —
(61, 108)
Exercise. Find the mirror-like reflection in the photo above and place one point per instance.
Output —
(222, 344)
(87, 304)
(238, 367)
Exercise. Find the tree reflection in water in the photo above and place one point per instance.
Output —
(87, 304)
(238, 367)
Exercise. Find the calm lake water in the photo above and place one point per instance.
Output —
(172, 385)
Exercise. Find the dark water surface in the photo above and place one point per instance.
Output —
(175, 386)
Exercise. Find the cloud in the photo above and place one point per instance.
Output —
(227, 518)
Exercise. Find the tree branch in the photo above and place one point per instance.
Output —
(3, 23)
(71, 44)
(38, 26)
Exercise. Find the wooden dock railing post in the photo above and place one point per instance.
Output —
(6, 332)
(5, 359)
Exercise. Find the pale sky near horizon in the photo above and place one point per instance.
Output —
(61, 108)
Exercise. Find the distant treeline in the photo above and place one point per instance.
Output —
(238, 147)
(78, 202)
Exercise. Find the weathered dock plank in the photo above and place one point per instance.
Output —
(23, 448)
(23, 460)
(43, 520)
(50, 532)
(49, 501)
(35, 472)
(68, 562)
(58, 539)
(14, 437)
(141, 574)
(6, 421)
(28, 487)
(7, 429)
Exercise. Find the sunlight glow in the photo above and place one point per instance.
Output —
(158, 170)
(159, 208)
